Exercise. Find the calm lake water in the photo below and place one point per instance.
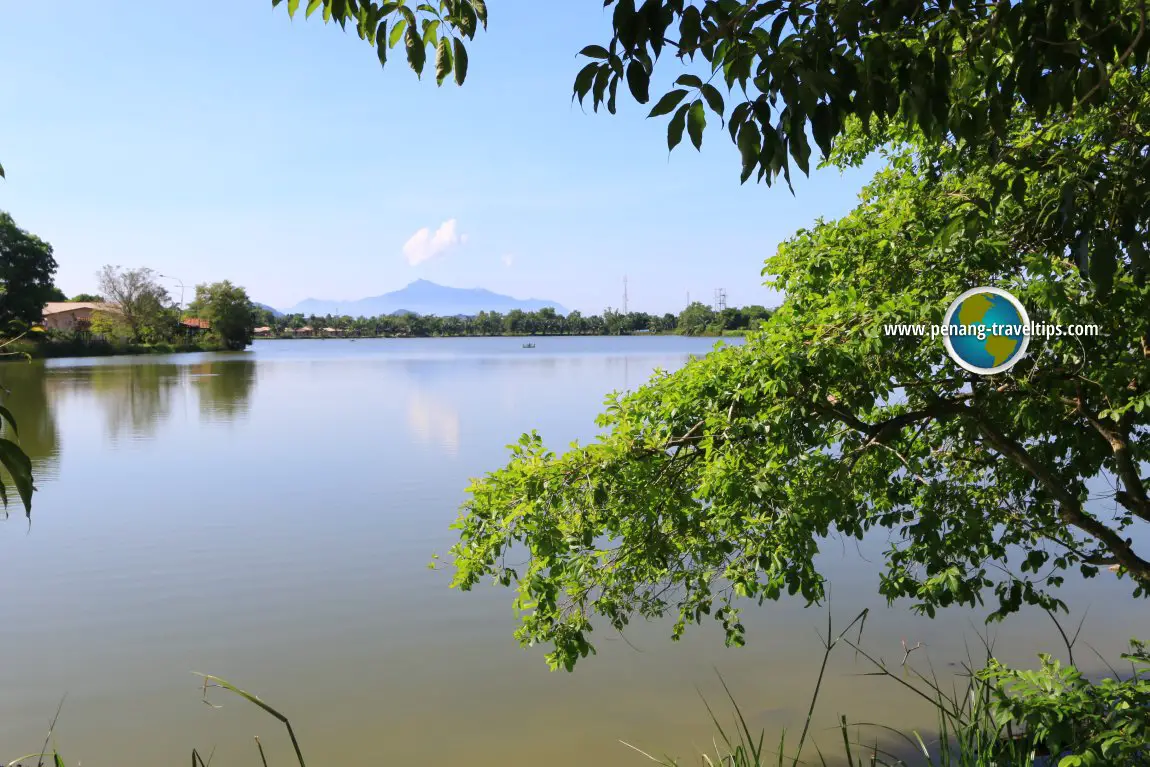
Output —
(268, 517)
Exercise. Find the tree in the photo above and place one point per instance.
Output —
(88, 298)
(26, 269)
(142, 303)
(695, 319)
(718, 482)
(110, 326)
(229, 310)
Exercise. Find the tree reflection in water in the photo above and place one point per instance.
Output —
(223, 387)
(25, 393)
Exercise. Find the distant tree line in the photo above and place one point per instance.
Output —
(696, 319)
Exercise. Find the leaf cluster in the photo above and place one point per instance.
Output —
(440, 27)
(1085, 724)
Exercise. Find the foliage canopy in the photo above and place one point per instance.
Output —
(228, 309)
(26, 269)
(145, 309)
(719, 481)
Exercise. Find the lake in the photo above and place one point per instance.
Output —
(268, 516)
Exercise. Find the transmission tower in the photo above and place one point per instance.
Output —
(720, 299)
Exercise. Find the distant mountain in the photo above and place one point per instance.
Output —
(275, 312)
(424, 297)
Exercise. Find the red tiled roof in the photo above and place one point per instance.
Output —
(194, 322)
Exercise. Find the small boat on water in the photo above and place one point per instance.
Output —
(528, 346)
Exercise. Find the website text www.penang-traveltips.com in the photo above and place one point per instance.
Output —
(982, 332)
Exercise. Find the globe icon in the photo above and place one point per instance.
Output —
(985, 330)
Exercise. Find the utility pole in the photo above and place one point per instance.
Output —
(178, 282)
(624, 294)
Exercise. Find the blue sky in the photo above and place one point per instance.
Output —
(224, 141)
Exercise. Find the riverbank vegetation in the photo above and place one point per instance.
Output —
(57, 344)
(133, 313)
(698, 319)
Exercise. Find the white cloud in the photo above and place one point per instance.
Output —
(508, 260)
(424, 244)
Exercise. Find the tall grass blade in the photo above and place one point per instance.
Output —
(218, 682)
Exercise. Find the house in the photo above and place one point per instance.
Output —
(74, 315)
(195, 323)
(262, 331)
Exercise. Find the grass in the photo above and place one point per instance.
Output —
(968, 733)
(53, 758)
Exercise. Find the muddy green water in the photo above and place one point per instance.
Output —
(268, 517)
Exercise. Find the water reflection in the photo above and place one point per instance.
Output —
(27, 398)
(135, 399)
(224, 388)
(433, 421)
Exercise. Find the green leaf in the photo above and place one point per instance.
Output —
(416, 53)
(691, 81)
(584, 80)
(460, 61)
(481, 11)
(396, 33)
(430, 33)
(293, 6)
(442, 60)
(689, 28)
(6, 415)
(696, 121)
(675, 128)
(467, 20)
(2, 172)
(638, 81)
(669, 101)
(714, 99)
(599, 87)
(312, 6)
(748, 143)
(19, 467)
(595, 52)
(822, 129)
(381, 43)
